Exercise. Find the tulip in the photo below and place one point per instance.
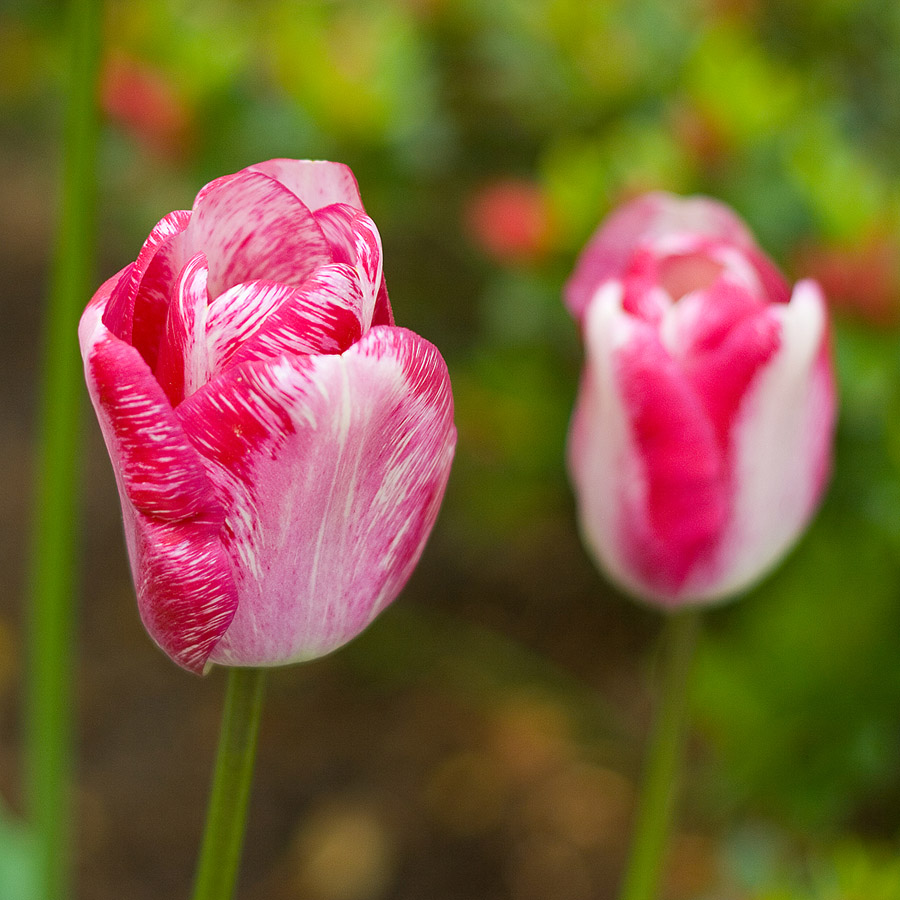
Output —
(701, 440)
(281, 448)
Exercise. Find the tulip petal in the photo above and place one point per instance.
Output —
(321, 317)
(136, 311)
(725, 337)
(183, 364)
(161, 473)
(355, 240)
(316, 182)
(250, 227)
(336, 466)
(654, 217)
(186, 593)
(782, 443)
(185, 590)
(639, 416)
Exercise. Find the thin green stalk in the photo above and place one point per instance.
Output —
(49, 702)
(657, 801)
(220, 855)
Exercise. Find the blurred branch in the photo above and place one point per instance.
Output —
(52, 568)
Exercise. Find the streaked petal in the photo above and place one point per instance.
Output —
(355, 240)
(183, 364)
(136, 312)
(172, 516)
(722, 337)
(336, 466)
(161, 474)
(185, 590)
(252, 228)
(321, 317)
(316, 182)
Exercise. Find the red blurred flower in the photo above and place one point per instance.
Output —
(510, 220)
(862, 280)
(145, 102)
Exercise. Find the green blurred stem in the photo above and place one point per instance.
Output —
(52, 569)
(220, 855)
(663, 763)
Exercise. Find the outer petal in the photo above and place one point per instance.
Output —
(317, 183)
(782, 448)
(250, 227)
(186, 594)
(162, 475)
(336, 466)
(645, 460)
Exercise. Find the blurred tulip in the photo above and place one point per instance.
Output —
(280, 447)
(701, 440)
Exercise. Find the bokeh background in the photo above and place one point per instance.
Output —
(483, 739)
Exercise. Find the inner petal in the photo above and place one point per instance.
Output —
(324, 316)
(250, 227)
(679, 275)
(183, 365)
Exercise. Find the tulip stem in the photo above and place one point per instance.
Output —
(226, 816)
(663, 762)
(49, 704)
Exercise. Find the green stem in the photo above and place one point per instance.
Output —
(52, 571)
(657, 801)
(220, 855)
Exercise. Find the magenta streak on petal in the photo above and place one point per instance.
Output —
(316, 183)
(250, 228)
(321, 317)
(136, 312)
(183, 364)
(685, 504)
(172, 517)
(336, 466)
(383, 314)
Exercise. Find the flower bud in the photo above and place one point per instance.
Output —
(281, 447)
(701, 439)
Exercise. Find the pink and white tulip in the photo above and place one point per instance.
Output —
(701, 440)
(281, 448)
